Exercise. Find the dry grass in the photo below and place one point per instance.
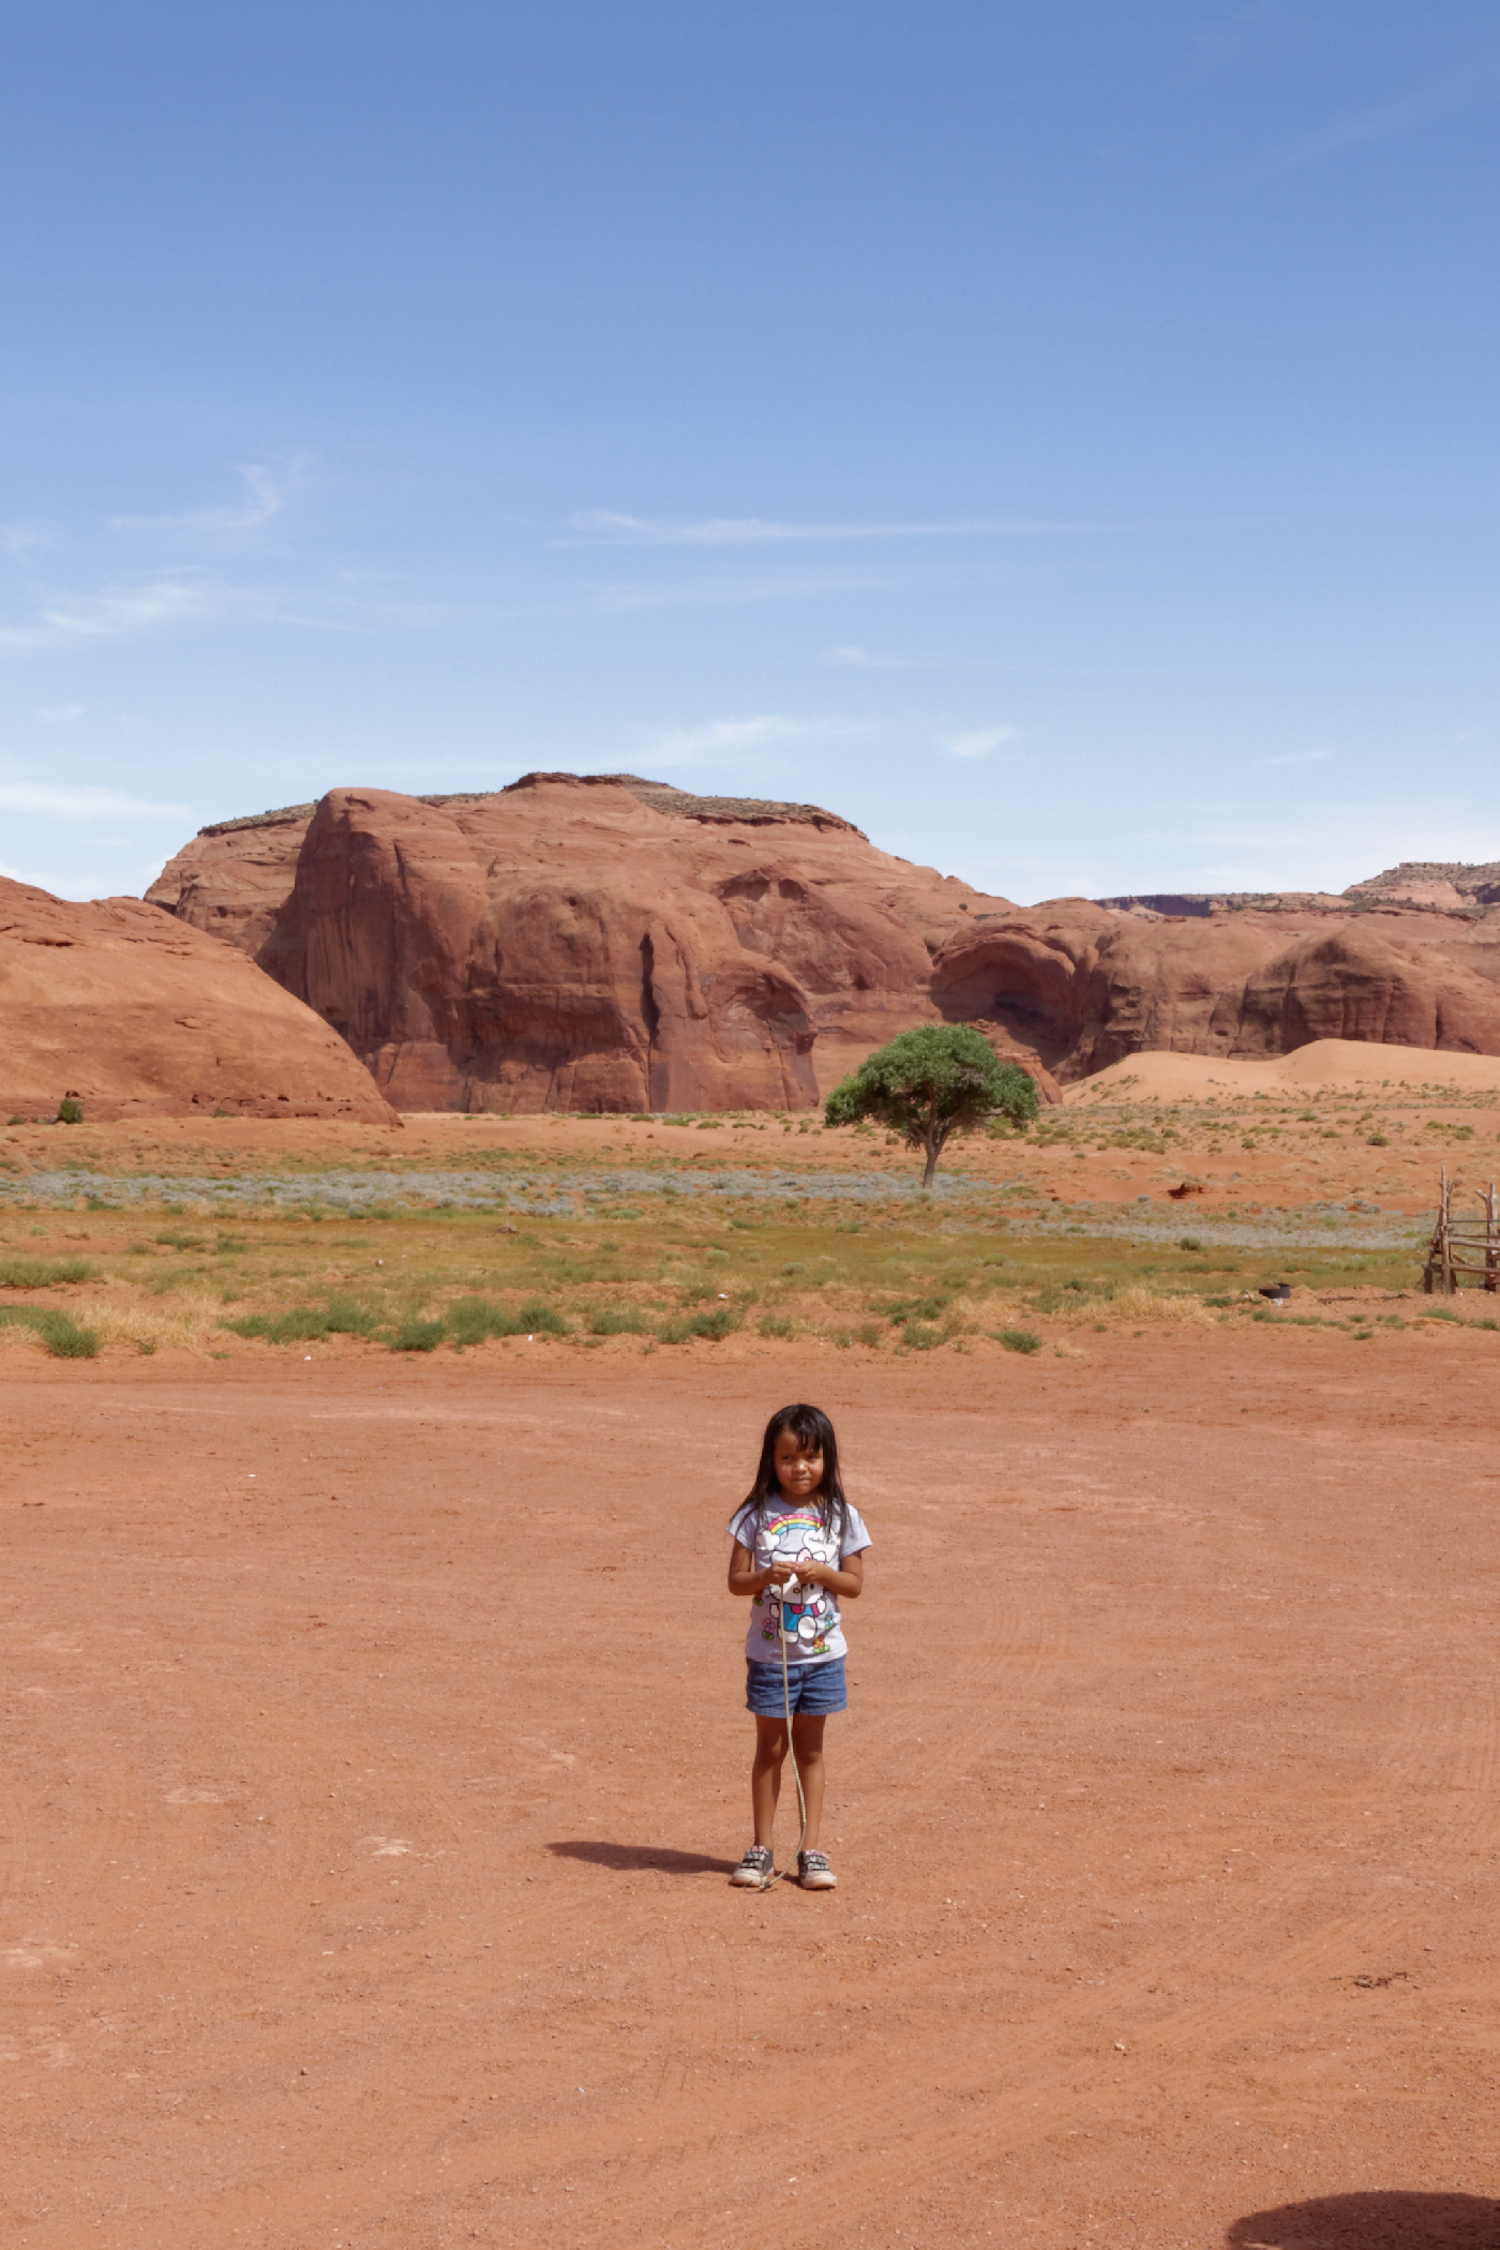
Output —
(1139, 1303)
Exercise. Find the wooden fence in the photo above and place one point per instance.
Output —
(1464, 1247)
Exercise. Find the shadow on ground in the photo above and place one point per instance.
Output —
(1380, 2219)
(630, 1859)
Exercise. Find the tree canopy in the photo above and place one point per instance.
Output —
(926, 1085)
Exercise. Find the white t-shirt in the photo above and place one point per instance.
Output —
(794, 1532)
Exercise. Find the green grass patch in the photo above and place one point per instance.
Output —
(1020, 1340)
(618, 1320)
(474, 1319)
(713, 1327)
(417, 1335)
(63, 1336)
(44, 1273)
(306, 1324)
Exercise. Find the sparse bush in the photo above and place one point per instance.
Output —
(473, 1319)
(416, 1335)
(1020, 1340)
(63, 1337)
(539, 1319)
(70, 1110)
(712, 1326)
(921, 1335)
(774, 1325)
(622, 1321)
(44, 1273)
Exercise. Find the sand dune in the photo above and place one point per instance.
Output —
(1323, 1062)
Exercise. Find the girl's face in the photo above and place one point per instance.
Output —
(798, 1472)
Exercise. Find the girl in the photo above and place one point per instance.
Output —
(796, 1523)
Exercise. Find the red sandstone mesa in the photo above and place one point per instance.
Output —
(582, 945)
(611, 943)
(141, 1016)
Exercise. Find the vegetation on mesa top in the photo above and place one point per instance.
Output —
(929, 1084)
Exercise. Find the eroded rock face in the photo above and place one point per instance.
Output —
(583, 945)
(1086, 987)
(611, 943)
(142, 1016)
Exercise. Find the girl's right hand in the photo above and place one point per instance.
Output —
(780, 1572)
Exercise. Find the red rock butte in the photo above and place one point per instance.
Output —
(609, 943)
(141, 1017)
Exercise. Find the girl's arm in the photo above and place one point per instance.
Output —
(745, 1579)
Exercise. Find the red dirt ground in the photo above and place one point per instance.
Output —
(377, 1764)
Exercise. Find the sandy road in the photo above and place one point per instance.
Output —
(377, 1761)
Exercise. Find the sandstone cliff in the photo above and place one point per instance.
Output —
(581, 944)
(1085, 987)
(611, 943)
(140, 1016)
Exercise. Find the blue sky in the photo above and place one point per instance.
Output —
(1059, 437)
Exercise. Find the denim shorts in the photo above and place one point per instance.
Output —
(813, 1689)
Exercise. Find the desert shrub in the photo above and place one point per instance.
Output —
(931, 1307)
(774, 1325)
(921, 1335)
(473, 1319)
(304, 1324)
(539, 1319)
(623, 1320)
(63, 1337)
(417, 1335)
(70, 1110)
(1190, 1242)
(713, 1327)
(1020, 1340)
(44, 1273)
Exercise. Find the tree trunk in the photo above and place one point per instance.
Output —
(934, 1151)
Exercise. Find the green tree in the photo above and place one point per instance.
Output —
(929, 1084)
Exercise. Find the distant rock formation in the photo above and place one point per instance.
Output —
(1085, 987)
(1433, 882)
(142, 1017)
(604, 942)
(1452, 885)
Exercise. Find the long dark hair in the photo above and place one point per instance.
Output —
(813, 1431)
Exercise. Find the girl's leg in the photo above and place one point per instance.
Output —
(807, 1748)
(765, 1774)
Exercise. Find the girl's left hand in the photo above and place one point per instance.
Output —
(811, 1573)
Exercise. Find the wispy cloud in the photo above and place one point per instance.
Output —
(60, 714)
(864, 660)
(978, 742)
(601, 525)
(78, 801)
(1298, 758)
(722, 741)
(1460, 89)
(267, 490)
(182, 599)
(711, 592)
(115, 612)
